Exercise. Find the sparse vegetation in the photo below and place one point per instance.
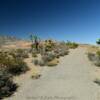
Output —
(95, 58)
(53, 50)
(72, 45)
(94, 54)
(91, 56)
(13, 64)
(12, 61)
(19, 53)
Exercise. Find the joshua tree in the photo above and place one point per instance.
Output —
(98, 41)
(35, 41)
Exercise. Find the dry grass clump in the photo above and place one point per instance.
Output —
(93, 49)
(94, 55)
(54, 62)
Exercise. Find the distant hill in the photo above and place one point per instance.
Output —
(7, 39)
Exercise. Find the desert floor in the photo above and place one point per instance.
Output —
(71, 79)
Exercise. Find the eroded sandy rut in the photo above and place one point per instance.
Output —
(70, 80)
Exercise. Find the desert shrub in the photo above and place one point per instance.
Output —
(34, 54)
(22, 53)
(98, 53)
(95, 58)
(41, 63)
(12, 64)
(19, 53)
(36, 62)
(91, 56)
(49, 45)
(61, 52)
(16, 67)
(48, 57)
(72, 45)
(7, 86)
(51, 56)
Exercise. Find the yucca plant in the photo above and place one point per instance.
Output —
(35, 41)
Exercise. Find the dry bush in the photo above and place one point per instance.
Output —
(7, 86)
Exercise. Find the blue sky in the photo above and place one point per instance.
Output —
(74, 20)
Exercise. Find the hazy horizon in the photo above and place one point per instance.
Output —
(73, 20)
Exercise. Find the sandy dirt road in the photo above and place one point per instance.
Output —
(71, 79)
